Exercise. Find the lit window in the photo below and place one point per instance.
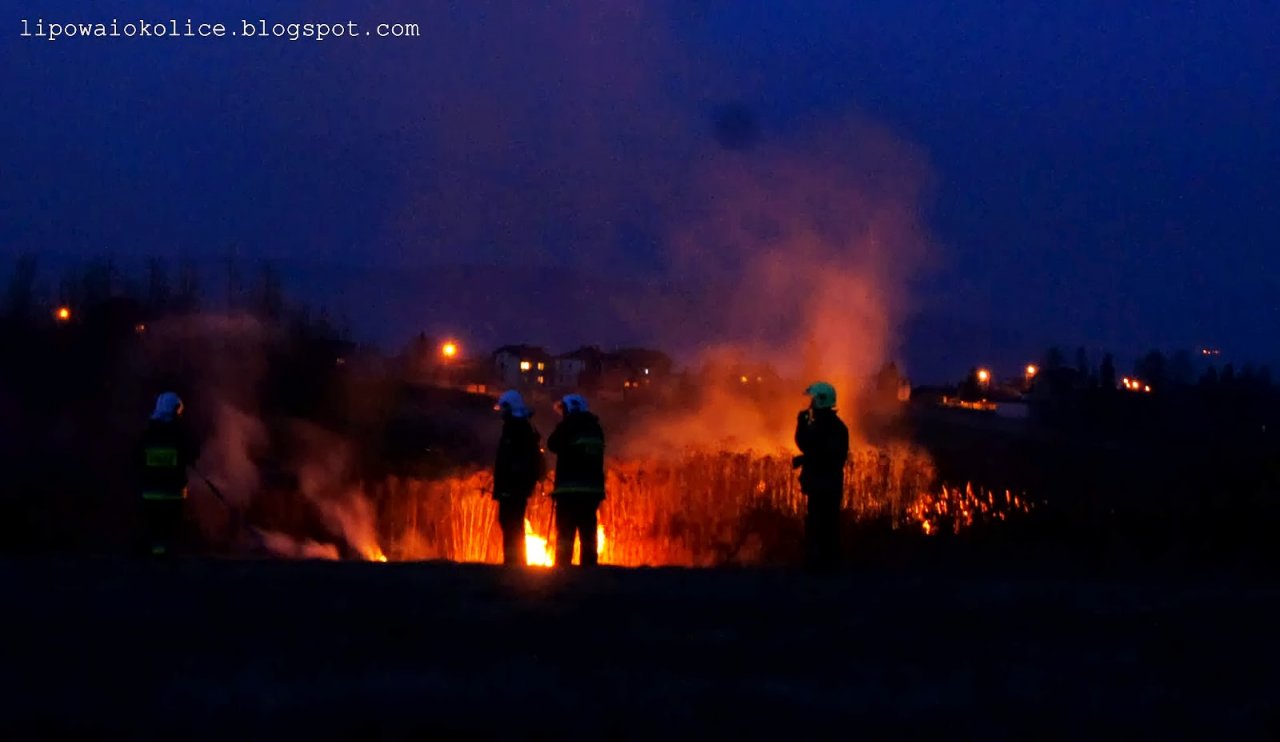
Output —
(541, 379)
(541, 366)
(525, 365)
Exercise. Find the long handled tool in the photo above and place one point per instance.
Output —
(237, 517)
(214, 489)
(551, 533)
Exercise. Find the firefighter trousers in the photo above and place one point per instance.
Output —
(163, 525)
(822, 529)
(576, 517)
(511, 510)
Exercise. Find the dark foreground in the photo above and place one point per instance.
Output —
(222, 649)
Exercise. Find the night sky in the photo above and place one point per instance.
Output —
(1098, 173)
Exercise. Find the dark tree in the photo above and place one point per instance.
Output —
(1154, 369)
(1107, 372)
(1209, 378)
(158, 291)
(887, 381)
(271, 296)
(98, 283)
(1053, 359)
(1182, 370)
(234, 287)
(21, 288)
(972, 389)
(187, 299)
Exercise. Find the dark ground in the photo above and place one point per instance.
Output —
(223, 649)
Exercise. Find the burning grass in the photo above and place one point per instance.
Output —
(698, 509)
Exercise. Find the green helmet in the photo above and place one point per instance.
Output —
(823, 395)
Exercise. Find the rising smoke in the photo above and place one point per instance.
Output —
(799, 257)
(588, 138)
(676, 209)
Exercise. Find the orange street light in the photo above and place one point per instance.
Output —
(1032, 370)
(984, 375)
(449, 349)
(62, 314)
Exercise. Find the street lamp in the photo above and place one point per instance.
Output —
(449, 350)
(62, 314)
(1032, 370)
(984, 375)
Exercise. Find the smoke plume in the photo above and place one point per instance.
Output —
(675, 208)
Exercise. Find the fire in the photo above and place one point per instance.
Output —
(700, 508)
(536, 553)
(961, 508)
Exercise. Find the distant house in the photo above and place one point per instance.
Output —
(522, 366)
(645, 364)
(611, 373)
(1056, 384)
(579, 369)
(891, 385)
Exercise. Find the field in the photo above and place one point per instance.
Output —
(289, 649)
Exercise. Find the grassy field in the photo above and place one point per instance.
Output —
(247, 649)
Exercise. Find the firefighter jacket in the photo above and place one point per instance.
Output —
(578, 443)
(519, 463)
(164, 453)
(823, 441)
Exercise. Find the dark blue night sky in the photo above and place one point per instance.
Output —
(1102, 173)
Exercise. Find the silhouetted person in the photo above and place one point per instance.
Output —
(823, 441)
(164, 453)
(578, 443)
(516, 472)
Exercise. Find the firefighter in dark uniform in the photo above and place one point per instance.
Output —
(166, 450)
(517, 470)
(823, 441)
(578, 443)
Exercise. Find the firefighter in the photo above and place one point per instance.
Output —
(166, 450)
(518, 469)
(578, 443)
(823, 441)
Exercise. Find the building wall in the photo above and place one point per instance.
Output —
(569, 372)
(507, 368)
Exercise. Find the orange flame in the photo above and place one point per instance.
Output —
(537, 552)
